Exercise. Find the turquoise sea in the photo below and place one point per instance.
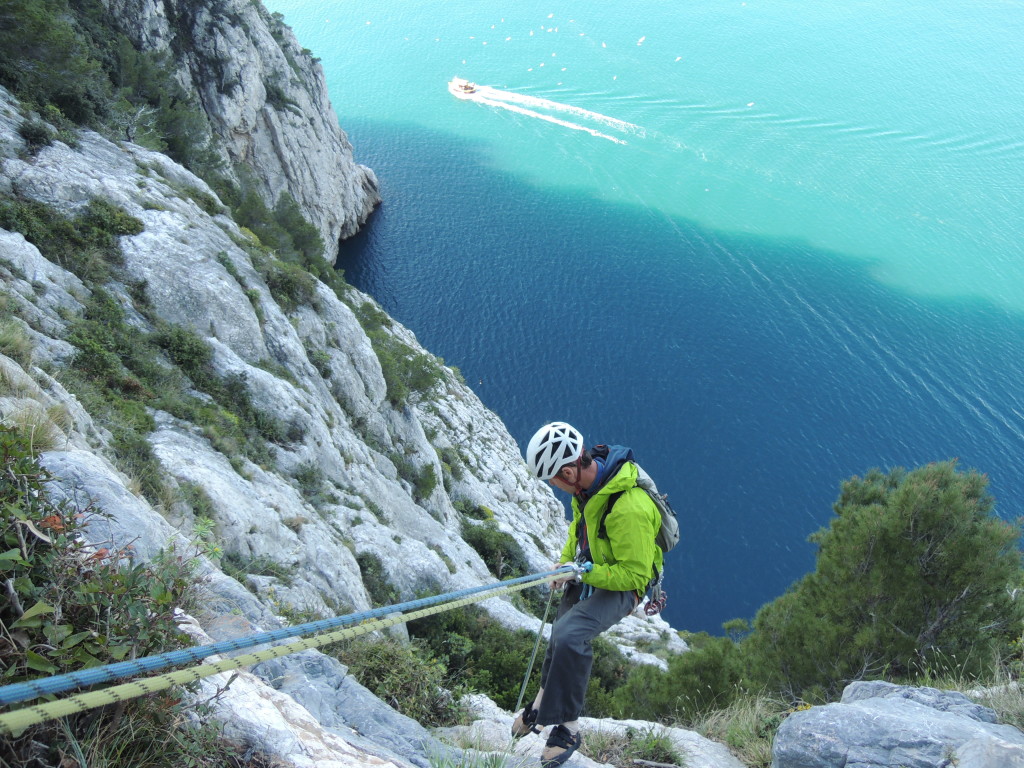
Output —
(769, 245)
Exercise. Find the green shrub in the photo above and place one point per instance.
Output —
(504, 558)
(491, 658)
(74, 607)
(700, 681)
(406, 676)
(472, 510)
(284, 230)
(86, 244)
(238, 566)
(198, 499)
(321, 360)
(45, 59)
(36, 135)
(120, 369)
(15, 343)
(426, 482)
(310, 478)
(187, 349)
(912, 573)
(375, 579)
(652, 745)
(135, 457)
(406, 372)
(747, 726)
(499, 550)
(290, 285)
(102, 221)
(452, 461)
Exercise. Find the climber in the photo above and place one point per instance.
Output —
(613, 571)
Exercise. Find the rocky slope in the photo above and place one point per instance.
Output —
(343, 482)
(267, 102)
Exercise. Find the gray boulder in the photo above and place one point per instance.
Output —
(881, 725)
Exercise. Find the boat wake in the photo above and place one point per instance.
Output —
(529, 106)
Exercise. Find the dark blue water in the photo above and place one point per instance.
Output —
(751, 376)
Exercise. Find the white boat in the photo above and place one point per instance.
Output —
(461, 89)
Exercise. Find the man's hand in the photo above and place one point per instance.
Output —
(561, 580)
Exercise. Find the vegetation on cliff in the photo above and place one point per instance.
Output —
(915, 576)
(68, 607)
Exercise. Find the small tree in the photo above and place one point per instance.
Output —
(912, 571)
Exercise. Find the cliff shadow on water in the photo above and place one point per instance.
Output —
(750, 375)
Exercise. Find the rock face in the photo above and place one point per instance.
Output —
(881, 725)
(340, 484)
(267, 101)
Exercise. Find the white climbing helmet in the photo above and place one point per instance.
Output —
(555, 445)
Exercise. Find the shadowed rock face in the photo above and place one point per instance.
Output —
(267, 102)
(881, 725)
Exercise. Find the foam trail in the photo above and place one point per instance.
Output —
(480, 98)
(532, 101)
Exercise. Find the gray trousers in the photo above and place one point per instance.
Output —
(569, 656)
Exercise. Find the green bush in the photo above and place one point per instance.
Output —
(651, 745)
(321, 360)
(74, 607)
(284, 229)
(476, 512)
(237, 566)
(45, 59)
(121, 374)
(452, 461)
(406, 372)
(375, 579)
(187, 349)
(406, 676)
(912, 573)
(15, 343)
(504, 558)
(290, 285)
(310, 478)
(499, 550)
(36, 134)
(698, 682)
(747, 727)
(491, 658)
(86, 244)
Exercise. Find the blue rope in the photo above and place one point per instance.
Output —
(31, 689)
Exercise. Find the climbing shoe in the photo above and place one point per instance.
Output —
(560, 745)
(525, 722)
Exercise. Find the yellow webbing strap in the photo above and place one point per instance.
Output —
(14, 723)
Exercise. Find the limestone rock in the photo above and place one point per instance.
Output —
(880, 725)
(490, 733)
(267, 101)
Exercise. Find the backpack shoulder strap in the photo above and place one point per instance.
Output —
(602, 532)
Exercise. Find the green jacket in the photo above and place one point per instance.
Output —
(626, 560)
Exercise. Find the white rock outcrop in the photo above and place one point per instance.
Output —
(339, 482)
(267, 101)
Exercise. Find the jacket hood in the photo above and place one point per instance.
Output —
(614, 477)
